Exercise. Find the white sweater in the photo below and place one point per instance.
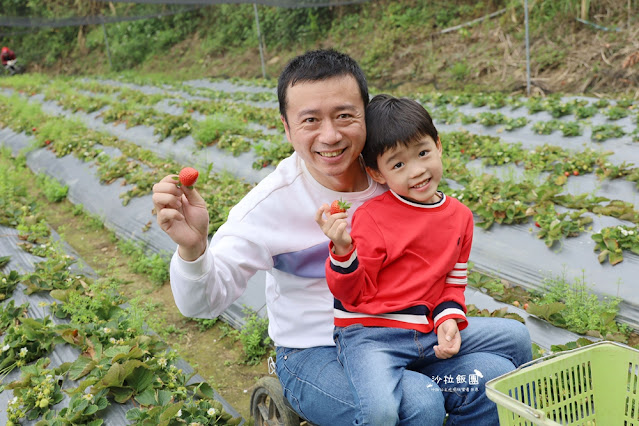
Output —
(272, 229)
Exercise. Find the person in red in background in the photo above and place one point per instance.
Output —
(6, 55)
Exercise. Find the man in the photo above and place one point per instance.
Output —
(322, 96)
(6, 55)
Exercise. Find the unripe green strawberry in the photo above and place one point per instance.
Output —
(44, 403)
(339, 206)
(188, 176)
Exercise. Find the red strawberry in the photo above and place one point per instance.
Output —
(188, 176)
(339, 206)
(575, 172)
(566, 173)
(526, 306)
(537, 225)
(33, 129)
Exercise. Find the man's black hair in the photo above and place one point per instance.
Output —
(393, 121)
(317, 65)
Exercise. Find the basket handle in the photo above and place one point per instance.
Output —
(556, 354)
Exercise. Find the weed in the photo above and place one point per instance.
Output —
(155, 266)
(254, 337)
(53, 190)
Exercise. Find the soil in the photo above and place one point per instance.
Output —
(214, 354)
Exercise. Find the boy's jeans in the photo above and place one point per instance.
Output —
(315, 384)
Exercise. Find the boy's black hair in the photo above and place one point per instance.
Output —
(393, 121)
(316, 65)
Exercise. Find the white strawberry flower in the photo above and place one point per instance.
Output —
(211, 412)
(179, 413)
(23, 352)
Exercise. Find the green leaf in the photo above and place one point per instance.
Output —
(146, 398)
(141, 379)
(81, 367)
(545, 311)
(205, 390)
(171, 411)
(164, 397)
(121, 394)
(615, 258)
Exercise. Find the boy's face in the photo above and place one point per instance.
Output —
(412, 171)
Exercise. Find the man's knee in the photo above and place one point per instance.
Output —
(520, 337)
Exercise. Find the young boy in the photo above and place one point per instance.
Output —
(401, 273)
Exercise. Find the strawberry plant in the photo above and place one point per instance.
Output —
(461, 99)
(24, 342)
(546, 127)
(612, 241)
(601, 103)
(9, 314)
(272, 153)
(468, 119)
(585, 111)
(496, 100)
(556, 108)
(607, 170)
(606, 131)
(620, 209)
(446, 115)
(570, 128)
(235, 144)
(554, 226)
(616, 113)
(36, 392)
(515, 123)
(8, 283)
(534, 104)
(491, 118)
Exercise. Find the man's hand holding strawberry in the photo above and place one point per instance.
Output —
(332, 221)
(181, 213)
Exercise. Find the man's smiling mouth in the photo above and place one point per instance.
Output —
(331, 153)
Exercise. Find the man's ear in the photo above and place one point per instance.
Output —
(287, 129)
(376, 175)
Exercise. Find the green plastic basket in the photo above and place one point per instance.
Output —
(593, 385)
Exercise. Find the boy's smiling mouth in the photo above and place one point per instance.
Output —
(422, 184)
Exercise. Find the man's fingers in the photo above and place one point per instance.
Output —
(166, 217)
(194, 197)
(163, 200)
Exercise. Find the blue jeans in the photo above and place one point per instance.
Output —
(315, 384)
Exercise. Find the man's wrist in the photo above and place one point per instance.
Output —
(191, 254)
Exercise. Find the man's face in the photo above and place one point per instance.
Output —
(326, 127)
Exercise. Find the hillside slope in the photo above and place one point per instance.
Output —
(403, 45)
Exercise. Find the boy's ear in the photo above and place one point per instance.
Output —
(376, 175)
(439, 145)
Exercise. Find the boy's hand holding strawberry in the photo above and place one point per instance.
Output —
(334, 225)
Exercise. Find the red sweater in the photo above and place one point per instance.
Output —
(6, 56)
(408, 267)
